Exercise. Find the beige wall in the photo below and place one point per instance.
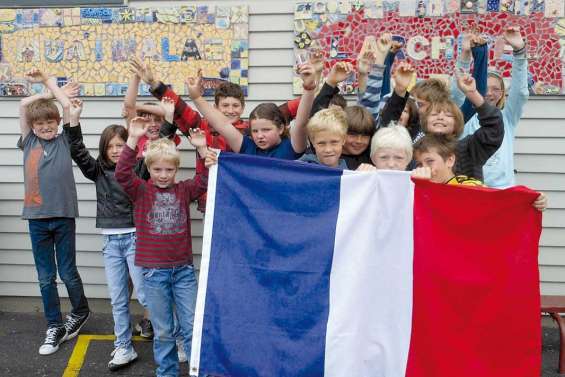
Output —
(540, 161)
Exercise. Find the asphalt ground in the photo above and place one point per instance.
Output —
(21, 335)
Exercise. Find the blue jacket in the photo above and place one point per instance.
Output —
(499, 169)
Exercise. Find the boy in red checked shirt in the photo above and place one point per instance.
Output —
(228, 98)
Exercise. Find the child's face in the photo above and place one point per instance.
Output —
(494, 91)
(442, 170)
(115, 147)
(441, 122)
(390, 159)
(265, 133)
(154, 125)
(355, 144)
(328, 146)
(163, 173)
(231, 107)
(45, 129)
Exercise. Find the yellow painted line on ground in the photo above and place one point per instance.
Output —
(79, 352)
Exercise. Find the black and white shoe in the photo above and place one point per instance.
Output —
(53, 337)
(74, 323)
(144, 328)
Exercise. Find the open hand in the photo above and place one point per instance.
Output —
(197, 137)
(195, 85)
(36, 76)
(71, 89)
(138, 127)
(317, 61)
(513, 37)
(142, 70)
(168, 106)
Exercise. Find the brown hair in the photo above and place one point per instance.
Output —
(443, 145)
(42, 109)
(359, 121)
(269, 111)
(448, 106)
(338, 100)
(430, 90)
(105, 138)
(229, 89)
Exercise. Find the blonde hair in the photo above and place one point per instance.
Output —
(393, 137)
(330, 120)
(501, 102)
(162, 149)
(42, 109)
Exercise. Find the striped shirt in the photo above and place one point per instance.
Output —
(162, 216)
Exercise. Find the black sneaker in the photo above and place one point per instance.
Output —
(74, 323)
(144, 328)
(53, 337)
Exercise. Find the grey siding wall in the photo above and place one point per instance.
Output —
(540, 160)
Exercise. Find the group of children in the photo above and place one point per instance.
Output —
(464, 137)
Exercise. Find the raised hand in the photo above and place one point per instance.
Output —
(317, 61)
(168, 106)
(197, 137)
(138, 127)
(339, 73)
(396, 45)
(308, 76)
(36, 76)
(403, 76)
(75, 111)
(142, 70)
(195, 85)
(211, 158)
(384, 43)
(71, 89)
(513, 37)
(365, 62)
(466, 83)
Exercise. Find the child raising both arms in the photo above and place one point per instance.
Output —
(164, 241)
(51, 206)
(267, 123)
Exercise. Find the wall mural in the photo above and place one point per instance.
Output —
(93, 45)
(430, 31)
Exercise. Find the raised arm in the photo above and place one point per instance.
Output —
(125, 175)
(371, 97)
(298, 134)
(219, 121)
(80, 155)
(397, 102)
(129, 110)
(518, 94)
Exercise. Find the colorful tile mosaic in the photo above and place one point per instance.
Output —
(430, 30)
(93, 46)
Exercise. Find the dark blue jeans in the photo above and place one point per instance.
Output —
(53, 245)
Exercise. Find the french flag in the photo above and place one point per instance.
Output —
(312, 271)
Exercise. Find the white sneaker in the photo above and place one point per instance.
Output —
(181, 353)
(53, 337)
(121, 357)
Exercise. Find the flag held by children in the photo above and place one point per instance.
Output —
(311, 271)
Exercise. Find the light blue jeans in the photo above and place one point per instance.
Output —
(166, 290)
(119, 255)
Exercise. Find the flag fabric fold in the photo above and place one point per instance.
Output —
(311, 271)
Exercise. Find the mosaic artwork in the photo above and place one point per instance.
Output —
(93, 46)
(430, 31)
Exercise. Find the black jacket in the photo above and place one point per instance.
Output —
(113, 207)
(472, 151)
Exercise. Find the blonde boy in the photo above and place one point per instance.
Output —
(391, 148)
(327, 131)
